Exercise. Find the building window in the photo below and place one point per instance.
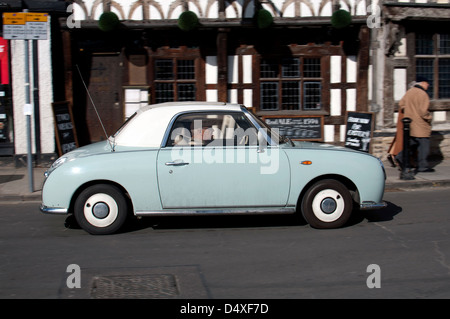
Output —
(293, 83)
(174, 80)
(432, 55)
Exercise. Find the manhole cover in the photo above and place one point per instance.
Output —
(140, 286)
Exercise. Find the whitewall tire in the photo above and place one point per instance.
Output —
(327, 204)
(101, 209)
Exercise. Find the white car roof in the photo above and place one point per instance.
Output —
(148, 127)
(177, 107)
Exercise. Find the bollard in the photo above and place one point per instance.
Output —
(406, 174)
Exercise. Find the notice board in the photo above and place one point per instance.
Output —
(305, 128)
(359, 129)
(66, 137)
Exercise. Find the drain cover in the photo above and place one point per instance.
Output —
(166, 282)
(138, 286)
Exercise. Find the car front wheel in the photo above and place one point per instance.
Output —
(101, 209)
(327, 204)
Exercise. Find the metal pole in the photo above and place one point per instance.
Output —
(37, 123)
(28, 111)
(406, 174)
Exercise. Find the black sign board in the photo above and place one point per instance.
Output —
(66, 136)
(359, 129)
(308, 128)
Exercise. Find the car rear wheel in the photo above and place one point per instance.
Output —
(101, 209)
(327, 204)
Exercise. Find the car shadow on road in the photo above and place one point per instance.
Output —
(243, 221)
(380, 215)
(203, 222)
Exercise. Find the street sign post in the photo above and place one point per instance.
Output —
(27, 26)
(36, 26)
(14, 25)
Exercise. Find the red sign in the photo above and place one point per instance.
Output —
(4, 61)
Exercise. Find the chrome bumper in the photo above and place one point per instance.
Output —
(53, 210)
(372, 205)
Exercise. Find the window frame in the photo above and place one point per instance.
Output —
(281, 79)
(435, 57)
(175, 81)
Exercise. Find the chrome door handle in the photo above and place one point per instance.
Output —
(176, 163)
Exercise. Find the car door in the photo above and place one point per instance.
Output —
(212, 160)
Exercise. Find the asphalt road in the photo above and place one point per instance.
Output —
(232, 257)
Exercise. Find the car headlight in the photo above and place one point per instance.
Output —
(55, 165)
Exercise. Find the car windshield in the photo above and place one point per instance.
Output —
(124, 124)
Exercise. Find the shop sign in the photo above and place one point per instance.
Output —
(304, 128)
(359, 130)
(66, 136)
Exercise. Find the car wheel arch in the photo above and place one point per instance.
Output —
(98, 182)
(342, 179)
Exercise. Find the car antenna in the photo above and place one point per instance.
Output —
(95, 108)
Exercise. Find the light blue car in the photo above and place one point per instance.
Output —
(199, 158)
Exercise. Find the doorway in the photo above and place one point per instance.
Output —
(105, 85)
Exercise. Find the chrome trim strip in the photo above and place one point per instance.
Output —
(203, 212)
(53, 210)
(372, 205)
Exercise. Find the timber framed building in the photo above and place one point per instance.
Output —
(298, 59)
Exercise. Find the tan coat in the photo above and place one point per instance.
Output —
(397, 144)
(415, 104)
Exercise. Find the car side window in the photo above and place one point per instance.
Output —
(212, 129)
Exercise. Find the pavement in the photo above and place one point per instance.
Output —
(16, 185)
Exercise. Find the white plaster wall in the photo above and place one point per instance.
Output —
(369, 83)
(342, 132)
(211, 96)
(211, 70)
(18, 93)
(248, 98)
(439, 116)
(399, 83)
(351, 99)
(335, 71)
(155, 14)
(232, 96)
(328, 132)
(45, 95)
(233, 75)
(401, 52)
(351, 69)
(247, 69)
(335, 102)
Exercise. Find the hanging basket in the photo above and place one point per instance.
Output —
(108, 21)
(188, 21)
(341, 19)
(263, 19)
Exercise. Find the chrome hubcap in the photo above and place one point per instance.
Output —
(100, 210)
(328, 205)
